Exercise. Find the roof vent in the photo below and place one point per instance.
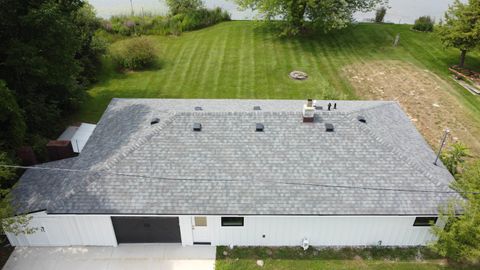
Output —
(155, 121)
(259, 127)
(198, 108)
(197, 127)
(257, 108)
(362, 119)
(329, 127)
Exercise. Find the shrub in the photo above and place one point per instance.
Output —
(150, 24)
(134, 54)
(380, 14)
(203, 17)
(424, 24)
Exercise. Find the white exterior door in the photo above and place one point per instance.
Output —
(201, 232)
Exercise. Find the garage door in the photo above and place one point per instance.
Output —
(146, 229)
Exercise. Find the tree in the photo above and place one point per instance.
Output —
(460, 239)
(92, 47)
(183, 6)
(455, 156)
(39, 41)
(12, 132)
(9, 222)
(380, 14)
(461, 28)
(325, 15)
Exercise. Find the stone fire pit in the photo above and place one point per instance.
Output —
(298, 75)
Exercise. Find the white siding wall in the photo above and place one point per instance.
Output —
(97, 230)
(185, 223)
(322, 231)
(71, 230)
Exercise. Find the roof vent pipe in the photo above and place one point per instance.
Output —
(308, 111)
(197, 127)
(362, 119)
(329, 127)
(154, 121)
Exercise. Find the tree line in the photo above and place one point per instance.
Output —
(48, 56)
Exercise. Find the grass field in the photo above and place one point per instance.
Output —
(348, 258)
(243, 59)
(247, 264)
(239, 59)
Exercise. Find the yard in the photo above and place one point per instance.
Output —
(242, 59)
(346, 258)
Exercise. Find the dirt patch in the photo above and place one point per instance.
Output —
(425, 97)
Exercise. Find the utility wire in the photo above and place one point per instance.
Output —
(237, 180)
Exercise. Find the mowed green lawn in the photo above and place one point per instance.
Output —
(280, 264)
(245, 258)
(241, 59)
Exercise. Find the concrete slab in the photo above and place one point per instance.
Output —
(145, 257)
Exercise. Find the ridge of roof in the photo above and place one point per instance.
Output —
(395, 150)
(139, 142)
(89, 179)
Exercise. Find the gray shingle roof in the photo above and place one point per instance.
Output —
(292, 168)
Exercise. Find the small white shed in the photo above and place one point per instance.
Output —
(78, 135)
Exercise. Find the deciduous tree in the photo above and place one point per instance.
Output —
(12, 132)
(461, 28)
(183, 6)
(460, 240)
(325, 15)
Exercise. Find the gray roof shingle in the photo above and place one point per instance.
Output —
(292, 168)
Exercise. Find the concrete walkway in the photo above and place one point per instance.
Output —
(145, 257)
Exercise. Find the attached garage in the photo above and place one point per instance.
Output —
(146, 229)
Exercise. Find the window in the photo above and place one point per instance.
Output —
(424, 221)
(200, 221)
(232, 221)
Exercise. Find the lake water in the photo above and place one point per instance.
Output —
(401, 11)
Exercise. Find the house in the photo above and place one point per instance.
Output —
(240, 172)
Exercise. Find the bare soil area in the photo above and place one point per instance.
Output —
(427, 99)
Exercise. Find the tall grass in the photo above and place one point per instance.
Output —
(151, 24)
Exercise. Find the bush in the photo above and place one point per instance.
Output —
(202, 18)
(424, 24)
(134, 54)
(380, 14)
